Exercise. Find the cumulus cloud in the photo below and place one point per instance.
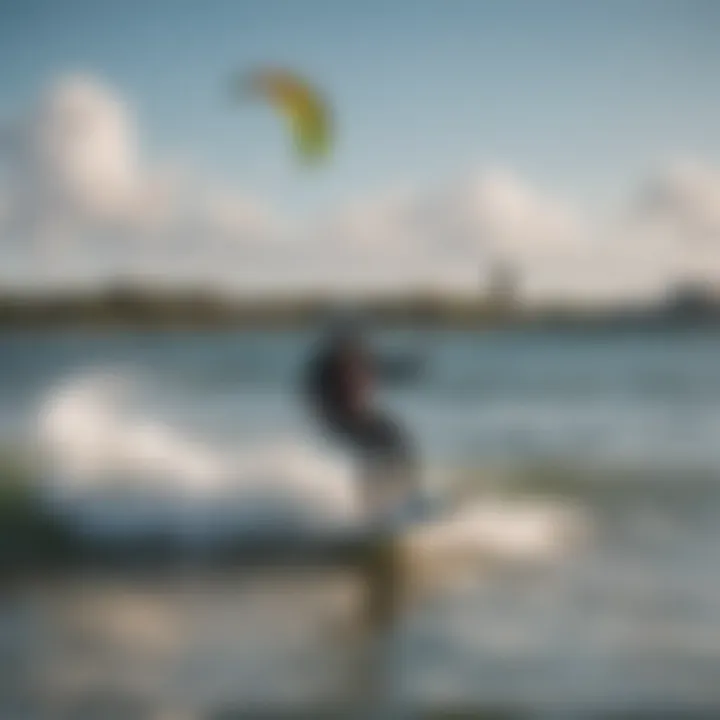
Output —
(77, 154)
(80, 200)
(670, 231)
(684, 199)
(494, 210)
(498, 211)
(445, 237)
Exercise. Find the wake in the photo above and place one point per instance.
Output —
(116, 466)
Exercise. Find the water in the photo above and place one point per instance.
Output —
(587, 471)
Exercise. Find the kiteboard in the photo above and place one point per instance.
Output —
(392, 531)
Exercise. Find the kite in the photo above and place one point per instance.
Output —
(299, 103)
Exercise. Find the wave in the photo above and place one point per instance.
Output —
(119, 466)
(115, 466)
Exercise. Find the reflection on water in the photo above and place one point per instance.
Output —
(181, 646)
(579, 576)
(589, 630)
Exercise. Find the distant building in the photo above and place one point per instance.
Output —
(502, 286)
(691, 301)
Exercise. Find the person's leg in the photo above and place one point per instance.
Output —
(390, 477)
(384, 437)
(390, 464)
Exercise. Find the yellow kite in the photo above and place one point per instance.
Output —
(302, 105)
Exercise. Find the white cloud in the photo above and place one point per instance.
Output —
(492, 211)
(80, 200)
(683, 199)
(445, 237)
(500, 212)
(671, 231)
(74, 159)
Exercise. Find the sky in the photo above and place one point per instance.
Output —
(578, 141)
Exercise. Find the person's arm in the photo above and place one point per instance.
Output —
(398, 368)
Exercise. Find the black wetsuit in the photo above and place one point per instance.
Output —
(338, 383)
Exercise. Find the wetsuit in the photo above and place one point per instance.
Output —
(339, 384)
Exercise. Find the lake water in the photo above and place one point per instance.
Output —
(587, 472)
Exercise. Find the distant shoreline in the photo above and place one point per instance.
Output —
(138, 309)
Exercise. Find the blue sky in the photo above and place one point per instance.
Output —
(514, 126)
(582, 97)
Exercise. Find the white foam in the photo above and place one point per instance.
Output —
(108, 457)
(512, 529)
(117, 466)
